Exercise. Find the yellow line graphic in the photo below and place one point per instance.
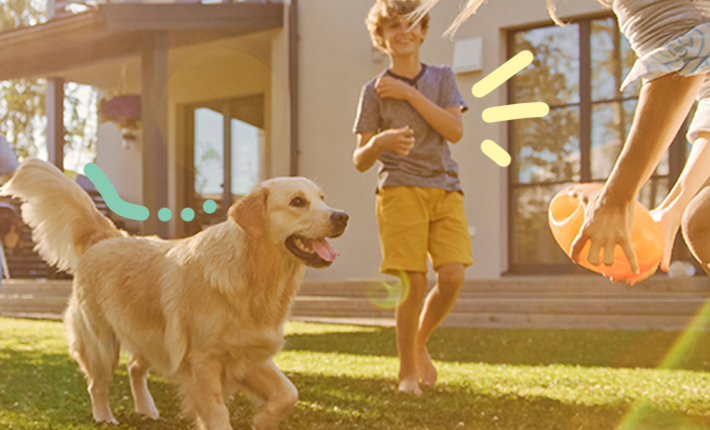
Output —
(502, 74)
(495, 153)
(510, 112)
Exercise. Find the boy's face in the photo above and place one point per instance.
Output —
(400, 39)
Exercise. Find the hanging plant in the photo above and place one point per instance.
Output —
(125, 112)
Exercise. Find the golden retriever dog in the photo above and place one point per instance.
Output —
(206, 310)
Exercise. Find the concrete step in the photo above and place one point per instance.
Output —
(555, 285)
(551, 302)
(36, 286)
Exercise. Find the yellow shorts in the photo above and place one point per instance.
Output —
(416, 221)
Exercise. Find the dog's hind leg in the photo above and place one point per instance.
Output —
(138, 368)
(279, 395)
(96, 349)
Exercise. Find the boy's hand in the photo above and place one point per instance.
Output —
(389, 87)
(398, 140)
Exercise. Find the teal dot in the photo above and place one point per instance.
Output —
(209, 206)
(187, 214)
(164, 214)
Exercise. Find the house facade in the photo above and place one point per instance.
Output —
(234, 93)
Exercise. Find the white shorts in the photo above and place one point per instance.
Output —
(687, 55)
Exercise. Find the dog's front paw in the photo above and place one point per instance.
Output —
(152, 415)
(148, 411)
(109, 420)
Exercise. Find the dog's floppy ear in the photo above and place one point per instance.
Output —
(250, 212)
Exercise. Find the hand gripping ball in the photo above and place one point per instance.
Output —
(566, 215)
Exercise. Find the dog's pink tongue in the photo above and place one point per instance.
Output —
(324, 250)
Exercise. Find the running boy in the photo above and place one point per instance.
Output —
(405, 118)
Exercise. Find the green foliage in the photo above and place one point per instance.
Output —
(21, 13)
(21, 113)
(22, 101)
(80, 122)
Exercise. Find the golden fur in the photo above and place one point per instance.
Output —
(206, 310)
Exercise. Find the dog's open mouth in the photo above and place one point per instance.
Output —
(313, 252)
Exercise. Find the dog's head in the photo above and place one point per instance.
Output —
(292, 213)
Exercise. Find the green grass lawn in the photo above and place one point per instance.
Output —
(346, 376)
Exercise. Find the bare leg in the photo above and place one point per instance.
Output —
(279, 395)
(670, 213)
(407, 316)
(696, 228)
(438, 304)
(143, 402)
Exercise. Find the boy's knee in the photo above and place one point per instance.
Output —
(450, 278)
(417, 285)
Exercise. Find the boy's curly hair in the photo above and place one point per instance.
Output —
(386, 10)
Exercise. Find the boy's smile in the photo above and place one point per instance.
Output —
(401, 39)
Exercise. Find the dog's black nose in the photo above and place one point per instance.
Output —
(339, 219)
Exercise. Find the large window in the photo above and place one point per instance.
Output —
(577, 71)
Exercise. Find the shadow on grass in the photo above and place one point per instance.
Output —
(46, 391)
(617, 348)
(356, 403)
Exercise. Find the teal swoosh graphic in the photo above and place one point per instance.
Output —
(113, 201)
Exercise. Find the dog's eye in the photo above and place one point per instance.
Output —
(298, 202)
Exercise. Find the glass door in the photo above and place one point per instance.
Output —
(227, 151)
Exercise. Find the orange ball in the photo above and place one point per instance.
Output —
(566, 215)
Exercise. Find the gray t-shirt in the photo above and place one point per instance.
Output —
(429, 163)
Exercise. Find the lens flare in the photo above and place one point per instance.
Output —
(685, 341)
(388, 296)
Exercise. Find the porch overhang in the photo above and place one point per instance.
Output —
(117, 30)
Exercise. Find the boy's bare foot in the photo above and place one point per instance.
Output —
(410, 385)
(425, 368)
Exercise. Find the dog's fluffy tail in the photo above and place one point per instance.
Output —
(63, 218)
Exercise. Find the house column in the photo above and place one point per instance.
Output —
(154, 123)
(54, 106)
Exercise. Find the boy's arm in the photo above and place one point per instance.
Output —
(371, 145)
(446, 121)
